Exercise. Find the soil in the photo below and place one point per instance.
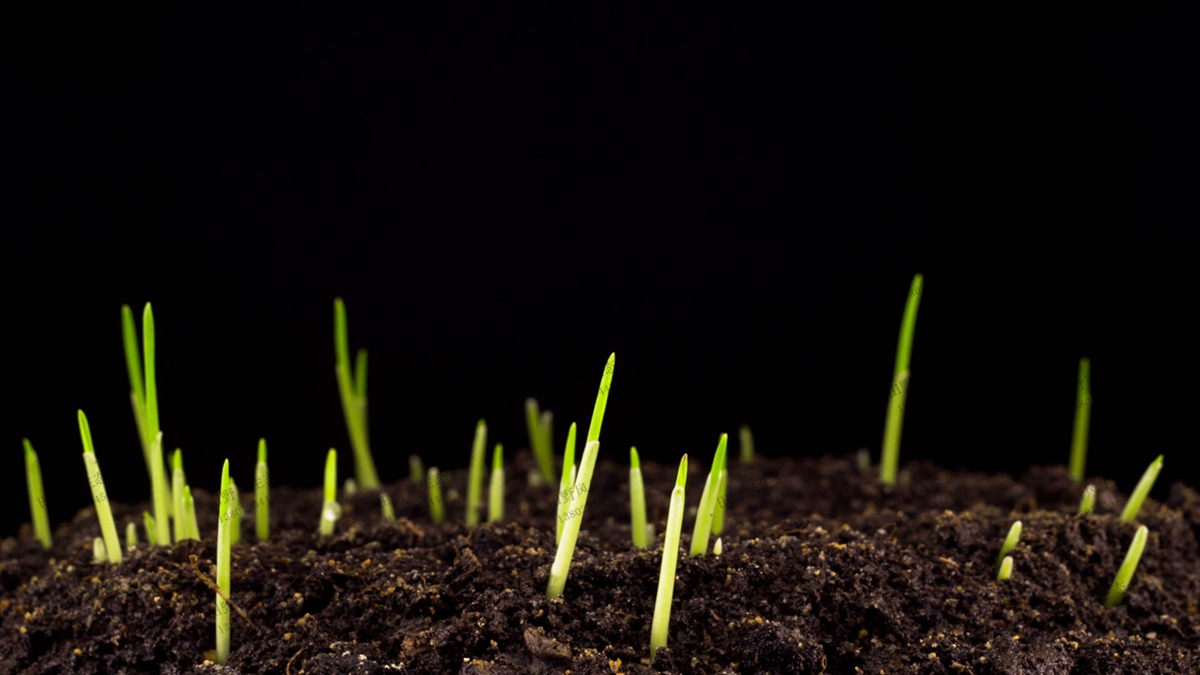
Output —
(822, 571)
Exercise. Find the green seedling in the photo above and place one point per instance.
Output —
(225, 520)
(353, 389)
(601, 400)
(262, 493)
(717, 548)
(1010, 542)
(1142, 490)
(899, 393)
(108, 527)
(537, 440)
(708, 502)
(37, 498)
(385, 504)
(99, 551)
(574, 516)
(670, 558)
(189, 505)
(1083, 415)
(144, 398)
(496, 488)
(1005, 569)
(1120, 584)
(148, 521)
(330, 512)
(637, 500)
(746, 443)
(565, 484)
(1087, 503)
(416, 469)
(178, 511)
(130, 535)
(475, 477)
(435, 496)
(718, 521)
(235, 526)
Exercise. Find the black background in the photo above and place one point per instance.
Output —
(734, 201)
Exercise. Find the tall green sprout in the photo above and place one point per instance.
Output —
(574, 517)
(352, 386)
(262, 494)
(433, 480)
(540, 443)
(708, 502)
(1142, 490)
(718, 521)
(637, 500)
(1083, 415)
(224, 541)
(496, 488)
(1120, 584)
(178, 510)
(189, 505)
(108, 527)
(475, 477)
(330, 511)
(670, 558)
(566, 483)
(143, 383)
(899, 393)
(746, 443)
(37, 498)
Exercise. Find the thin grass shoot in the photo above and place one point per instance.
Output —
(178, 480)
(565, 483)
(890, 461)
(99, 551)
(416, 469)
(160, 491)
(746, 444)
(670, 559)
(262, 493)
(718, 521)
(108, 526)
(1087, 503)
(637, 500)
(1120, 584)
(496, 488)
(330, 511)
(1142, 490)
(189, 505)
(385, 505)
(352, 388)
(1010, 542)
(436, 512)
(1083, 414)
(130, 535)
(475, 477)
(574, 517)
(702, 528)
(37, 496)
(1006, 567)
(601, 400)
(224, 542)
(148, 521)
(235, 525)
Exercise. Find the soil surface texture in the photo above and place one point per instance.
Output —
(822, 570)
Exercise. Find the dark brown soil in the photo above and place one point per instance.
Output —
(822, 571)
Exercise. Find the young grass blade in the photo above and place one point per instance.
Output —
(130, 535)
(160, 491)
(496, 489)
(416, 469)
(1010, 542)
(746, 442)
(1005, 569)
(354, 401)
(637, 500)
(148, 521)
(717, 548)
(178, 480)
(189, 505)
(670, 558)
(224, 541)
(708, 501)
(108, 527)
(1142, 490)
(574, 517)
(567, 482)
(37, 498)
(475, 479)
(435, 496)
(1120, 584)
(718, 521)
(1083, 414)
(235, 522)
(137, 382)
(330, 512)
(601, 400)
(99, 550)
(543, 453)
(262, 494)
(385, 504)
(1087, 503)
(360, 375)
(148, 352)
(899, 393)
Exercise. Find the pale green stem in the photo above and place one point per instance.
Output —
(37, 497)
(746, 444)
(108, 527)
(708, 502)
(475, 478)
(385, 504)
(1142, 490)
(130, 535)
(416, 469)
(601, 399)
(574, 517)
(435, 496)
(262, 493)
(224, 541)
(1087, 503)
(189, 505)
(566, 483)
(1010, 542)
(670, 558)
(178, 512)
(330, 512)
(1083, 414)
(148, 521)
(637, 500)
(1005, 569)
(496, 489)
(1116, 593)
(899, 393)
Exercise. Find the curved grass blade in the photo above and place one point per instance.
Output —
(475, 477)
(637, 500)
(708, 502)
(670, 559)
(108, 527)
(37, 497)
(899, 394)
(1120, 584)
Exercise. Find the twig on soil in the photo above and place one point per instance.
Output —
(213, 585)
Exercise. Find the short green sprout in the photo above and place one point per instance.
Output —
(330, 511)
(574, 516)
(99, 550)
(416, 469)
(899, 393)
(670, 558)
(130, 535)
(108, 527)
(262, 493)
(1141, 490)
(352, 386)
(746, 443)
(1005, 569)
(1120, 584)
(148, 521)
(178, 510)
(1083, 414)
(37, 498)
(708, 502)
(717, 548)
(718, 521)
(189, 505)
(435, 496)
(1010, 542)
(496, 488)
(637, 500)
(385, 505)
(1087, 503)
(539, 439)
(144, 398)
(225, 519)
(475, 476)
(565, 484)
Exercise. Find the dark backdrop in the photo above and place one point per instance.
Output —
(734, 201)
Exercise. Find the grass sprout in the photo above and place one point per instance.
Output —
(890, 461)
(262, 493)
(538, 425)
(352, 386)
(1087, 503)
(601, 400)
(1083, 414)
(330, 511)
(718, 521)
(143, 383)
(746, 444)
(1010, 542)
(496, 488)
(1120, 584)
(224, 542)
(670, 558)
(435, 496)
(148, 521)
(37, 498)
(574, 516)
(108, 527)
(385, 505)
(416, 469)
(565, 483)
(637, 500)
(99, 550)
(130, 535)
(1005, 569)
(178, 511)
(475, 477)
(189, 505)
(1142, 490)
(708, 502)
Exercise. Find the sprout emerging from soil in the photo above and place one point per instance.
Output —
(224, 541)
(1083, 414)
(144, 398)
(130, 535)
(108, 527)
(574, 516)
(496, 488)
(330, 511)
(1142, 490)
(1005, 569)
(1087, 503)
(637, 500)
(670, 558)
(37, 498)
(565, 483)
(746, 444)
(178, 510)
(1116, 593)
(435, 496)
(718, 521)
(189, 505)
(717, 548)
(353, 389)
(416, 469)
(475, 477)
(708, 502)
(1010, 542)
(99, 552)
(385, 505)
(601, 400)
(148, 521)
(899, 393)
(262, 493)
